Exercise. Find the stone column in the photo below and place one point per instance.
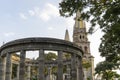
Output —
(2, 68)
(28, 72)
(18, 72)
(60, 66)
(68, 72)
(8, 67)
(49, 72)
(80, 69)
(41, 65)
(73, 67)
(22, 65)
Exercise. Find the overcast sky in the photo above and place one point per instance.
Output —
(38, 18)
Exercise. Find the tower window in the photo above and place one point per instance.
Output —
(86, 49)
(83, 37)
(80, 36)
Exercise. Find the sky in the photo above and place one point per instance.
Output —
(39, 18)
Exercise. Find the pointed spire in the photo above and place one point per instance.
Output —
(67, 36)
(79, 23)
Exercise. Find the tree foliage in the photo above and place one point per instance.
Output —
(86, 64)
(102, 12)
(106, 14)
(50, 56)
(14, 75)
(105, 70)
(110, 46)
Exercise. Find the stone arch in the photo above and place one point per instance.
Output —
(86, 49)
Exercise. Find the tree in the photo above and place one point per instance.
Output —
(86, 64)
(110, 46)
(50, 56)
(66, 56)
(14, 71)
(105, 69)
(105, 13)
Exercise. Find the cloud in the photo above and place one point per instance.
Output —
(46, 13)
(31, 12)
(34, 12)
(44, 16)
(70, 22)
(50, 28)
(22, 15)
(9, 34)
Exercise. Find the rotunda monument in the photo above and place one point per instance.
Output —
(23, 70)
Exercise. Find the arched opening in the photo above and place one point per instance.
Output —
(86, 49)
(80, 37)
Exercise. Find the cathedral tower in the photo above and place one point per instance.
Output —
(80, 38)
(80, 34)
